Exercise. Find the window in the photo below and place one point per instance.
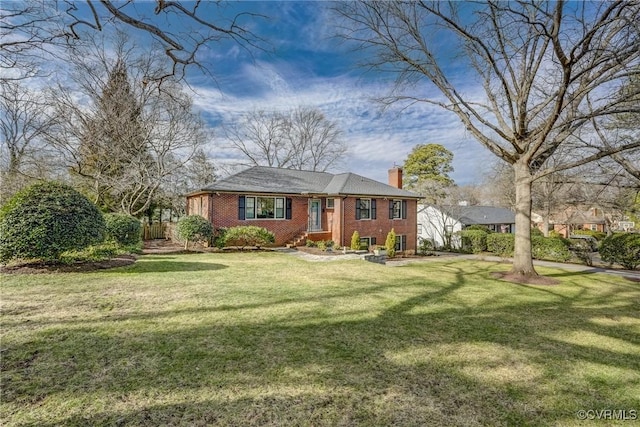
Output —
(364, 205)
(250, 207)
(397, 209)
(264, 207)
(401, 242)
(419, 229)
(279, 207)
(594, 227)
(365, 209)
(331, 203)
(366, 242)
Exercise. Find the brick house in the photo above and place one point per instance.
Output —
(570, 219)
(302, 205)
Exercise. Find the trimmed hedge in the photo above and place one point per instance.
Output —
(249, 235)
(474, 240)
(501, 244)
(544, 248)
(47, 219)
(550, 249)
(194, 228)
(123, 229)
(621, 248)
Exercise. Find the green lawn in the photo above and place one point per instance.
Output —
(268, 339)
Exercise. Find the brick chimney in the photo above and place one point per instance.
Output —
(395, 177)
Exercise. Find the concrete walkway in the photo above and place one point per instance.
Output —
(443, 256)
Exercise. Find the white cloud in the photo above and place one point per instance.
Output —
(377, 140)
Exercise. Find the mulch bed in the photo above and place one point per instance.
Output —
(80, 267)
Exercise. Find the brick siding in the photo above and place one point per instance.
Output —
(222, 211)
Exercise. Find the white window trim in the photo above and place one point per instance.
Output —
(333, 203)
(368, 210)
(275, 208)
(368, 239)
(399, 202)
(398, 242)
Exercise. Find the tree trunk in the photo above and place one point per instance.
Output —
(522, 258)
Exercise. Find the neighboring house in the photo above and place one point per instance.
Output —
(439, 224)
(571, 219)
(302, 205)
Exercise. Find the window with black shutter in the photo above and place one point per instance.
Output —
(241, 208)
(288, 209)
(365, 209)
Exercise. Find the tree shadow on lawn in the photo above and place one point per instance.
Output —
(165, 264)
(417, 362)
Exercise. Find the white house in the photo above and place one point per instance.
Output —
(438, 224)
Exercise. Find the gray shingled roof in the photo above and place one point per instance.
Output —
(262, 179)
(482, 215)
(486, 215)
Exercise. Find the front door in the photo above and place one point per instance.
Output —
(315, 215)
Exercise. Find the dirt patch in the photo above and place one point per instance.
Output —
(80, 267)
(163, 246)
(508, 276)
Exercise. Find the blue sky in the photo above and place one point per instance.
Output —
(304, 64)
(307, 66)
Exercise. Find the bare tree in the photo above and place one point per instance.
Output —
(25, 120)
(547, 71)
(301, 139)
(121, 135)
(35, 29)
(29, 32)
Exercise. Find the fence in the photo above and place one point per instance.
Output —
(155, 231)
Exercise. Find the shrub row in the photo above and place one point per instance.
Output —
(248, 236)
(621, 248)
(323, 245)
(50, 221)
(474, 240)
(545, 248)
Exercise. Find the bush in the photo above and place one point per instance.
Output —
(582, 249)
(535, 231)
(220, 237)
(310, 243)
(355, 241)
(47, 219)
(123, 229)
(598, 235)
(390, 243)
(194, 228)
(479, 228)
(249, 235)
(621, 248)
(550, 249)
(474, 240)
(425, 247)
(501, 244)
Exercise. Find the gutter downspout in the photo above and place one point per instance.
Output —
(342, 222)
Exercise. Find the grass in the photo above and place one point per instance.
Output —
(268, 339)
